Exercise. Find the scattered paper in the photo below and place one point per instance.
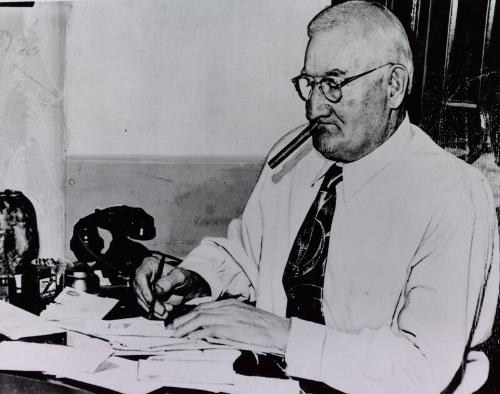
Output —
(137, 326)
(16, 323)
(156, 344)
(176, 362)
(221, 355)
(83, 341)
(246, 346)
(52, 359)
(259, 385)
(116, 374)
(73, 308)
(187, 371)
(77, 306)
(210, 370)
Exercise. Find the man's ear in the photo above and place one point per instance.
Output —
(397, 85)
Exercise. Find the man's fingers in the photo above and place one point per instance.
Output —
(196, 321)
(213, 331)
(175, 300)
(162, 310)
(216, 307)
(202, 333)
(171, 278)
(141, 287)
(169, 282)
(143, 304)
(184, 318)
(143, 277)
(218, 304)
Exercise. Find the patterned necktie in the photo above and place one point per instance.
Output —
(304, 273)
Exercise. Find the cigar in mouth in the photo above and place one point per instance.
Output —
(292, 146)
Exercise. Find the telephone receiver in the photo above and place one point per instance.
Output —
(124, 255)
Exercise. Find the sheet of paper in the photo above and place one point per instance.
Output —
(188, 371)
(117, 374)
(120, 342)
(155, 344)
(137, 326)
(245, 346)
(120, 349)
(222, 355)
(52, 359)
(259, 385)
(245, 385)
(16, 323)
(211, 387)
(215, 376)
(83, 341)
(77, 306)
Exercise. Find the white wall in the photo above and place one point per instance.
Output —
(183, 77)
(32, 42)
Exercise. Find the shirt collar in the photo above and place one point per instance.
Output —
(358, 173)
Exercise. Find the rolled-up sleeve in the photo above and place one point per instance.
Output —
(230, 265)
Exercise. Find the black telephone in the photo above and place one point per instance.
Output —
(123, 256)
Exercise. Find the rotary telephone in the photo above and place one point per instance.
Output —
(124, 255)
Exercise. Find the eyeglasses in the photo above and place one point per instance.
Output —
(330, 87)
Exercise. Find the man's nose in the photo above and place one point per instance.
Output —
(317, 106)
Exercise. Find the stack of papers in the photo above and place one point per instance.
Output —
(72, 308)
(116, 374)
(171, 372)
(136, 326)
(51, 359)
(139, 336)
(210, 370)
(95, 343)
(16, 323)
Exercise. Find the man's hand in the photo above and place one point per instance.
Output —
(176, 285)
(234, 320)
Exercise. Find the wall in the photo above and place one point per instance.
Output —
(183, 77)
(32, 43)
(188, 199)
(172, 105)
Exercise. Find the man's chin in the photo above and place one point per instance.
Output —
(327, 140)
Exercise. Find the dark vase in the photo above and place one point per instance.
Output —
(19, 243)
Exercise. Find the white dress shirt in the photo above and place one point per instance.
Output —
(412, 274)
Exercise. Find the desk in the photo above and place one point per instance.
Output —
(29, 383)
(246, 364)
(14, 383)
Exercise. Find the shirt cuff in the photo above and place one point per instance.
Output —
(304, 349)
(206, 273)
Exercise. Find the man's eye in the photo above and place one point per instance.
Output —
(308, 82)
(331, 84)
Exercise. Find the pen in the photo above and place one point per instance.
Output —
(157, 276)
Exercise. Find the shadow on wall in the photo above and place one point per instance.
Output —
(189, 198)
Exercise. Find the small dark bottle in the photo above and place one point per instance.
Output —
(7, 288)
(39, 287)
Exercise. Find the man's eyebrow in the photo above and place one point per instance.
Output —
(335, 72)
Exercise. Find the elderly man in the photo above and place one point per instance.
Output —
(372, 254)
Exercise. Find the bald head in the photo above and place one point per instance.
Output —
(372, 24)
